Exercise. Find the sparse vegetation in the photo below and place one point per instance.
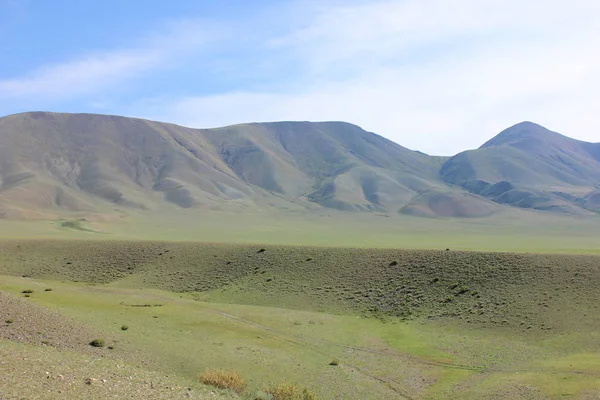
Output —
(525, 296)
(423, 284)
(124, 327)
(27, 291)
(224, 380)
(286, 391)
(77, 225)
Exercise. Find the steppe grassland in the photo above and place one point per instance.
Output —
(401, 324)
(515, 231)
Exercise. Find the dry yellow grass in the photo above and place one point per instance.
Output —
(224, 380)
(286, 391)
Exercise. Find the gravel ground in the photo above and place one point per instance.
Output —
(45, 355)
(38, 372)
(25, 322)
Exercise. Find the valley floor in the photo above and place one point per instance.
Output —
(509, 231)
(345, 323)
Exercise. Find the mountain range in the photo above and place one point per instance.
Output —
(55, 164)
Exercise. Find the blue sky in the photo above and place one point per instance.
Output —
(439, 76)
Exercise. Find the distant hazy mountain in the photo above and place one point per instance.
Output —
(531, 167)
(52, 165)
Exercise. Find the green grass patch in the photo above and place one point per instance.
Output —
(76, 225)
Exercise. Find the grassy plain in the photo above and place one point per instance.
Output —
(405, 324)
(514, 231)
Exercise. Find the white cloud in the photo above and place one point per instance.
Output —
(433, 75)
(382, 30)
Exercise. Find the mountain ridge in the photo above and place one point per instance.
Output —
(54, 164)
(530, 166)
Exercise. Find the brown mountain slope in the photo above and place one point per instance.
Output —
(100, 166)
(531, 167)
(52, 164)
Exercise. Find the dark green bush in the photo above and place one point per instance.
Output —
(97, 343)
(463, 289)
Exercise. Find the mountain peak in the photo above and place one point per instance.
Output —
(523, 132)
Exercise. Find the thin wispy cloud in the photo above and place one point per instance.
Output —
(380, 31)
(99, 71)
(85, 75)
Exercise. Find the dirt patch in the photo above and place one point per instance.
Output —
(44, 354)
(35, 372)
(25, 322)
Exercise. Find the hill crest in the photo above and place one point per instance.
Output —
(529, 166)
(93, 165)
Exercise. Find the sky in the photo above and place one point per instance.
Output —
(439, 76)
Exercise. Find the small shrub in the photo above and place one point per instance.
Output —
(9, 321)
(97, 343)
(393, 263)
(463, 290)
(26, 295)
(334, 363)
(224, 380)
(124, 327)
(285, 391)
(27, 291)
(261, 251)
(47, 290)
